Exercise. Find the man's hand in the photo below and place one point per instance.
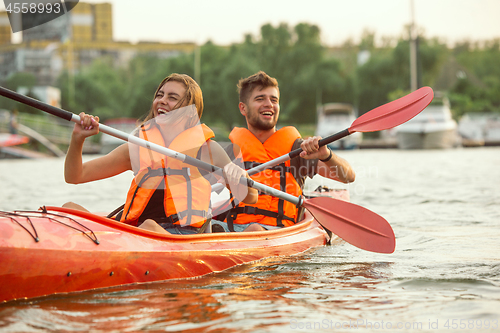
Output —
(311, 149)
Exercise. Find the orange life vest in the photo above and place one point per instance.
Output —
(268, 210)
(187, 192)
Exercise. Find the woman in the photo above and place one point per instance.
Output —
(166, 195)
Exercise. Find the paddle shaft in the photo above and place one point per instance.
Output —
(296, 152)
(298, 201)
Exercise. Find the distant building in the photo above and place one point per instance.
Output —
(46, 94)
(86, 22)
(72, 42)
(5, 30)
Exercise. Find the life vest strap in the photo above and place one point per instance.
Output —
(259, 211)
(282, 168)
(179, 216)
(167, 172)
(164, 172)
(233, 214)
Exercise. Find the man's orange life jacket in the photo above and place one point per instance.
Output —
(268, 210)
(187, 192)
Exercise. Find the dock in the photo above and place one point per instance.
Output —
(19, 152)
(389, 143)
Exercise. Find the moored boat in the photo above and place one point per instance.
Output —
(434, 128)
(60, 250)
(9, 146)
(7, 140)
(480, 129)
(333, 118)
(325, 191)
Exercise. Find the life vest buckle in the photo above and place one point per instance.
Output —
(251, 210)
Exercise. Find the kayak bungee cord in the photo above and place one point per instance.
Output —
(28, 215)
(11, 217)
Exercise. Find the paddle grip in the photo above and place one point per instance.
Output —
(334, 137)
(36, 104)
(322, 142)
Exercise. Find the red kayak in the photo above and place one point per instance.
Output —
(7, 140)
(61, 250)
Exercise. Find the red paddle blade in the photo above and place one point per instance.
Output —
(394, 113)
(354, 224)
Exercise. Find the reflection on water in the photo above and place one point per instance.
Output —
(446, 265)
(268, 293)
(321, 287)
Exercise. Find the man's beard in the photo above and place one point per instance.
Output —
(259, 124)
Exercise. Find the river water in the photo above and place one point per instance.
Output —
(444, 207)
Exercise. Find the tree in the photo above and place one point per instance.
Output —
(388, 70)
(14, 82)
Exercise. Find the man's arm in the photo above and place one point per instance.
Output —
(330, 165)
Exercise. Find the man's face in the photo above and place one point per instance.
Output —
(262, 108)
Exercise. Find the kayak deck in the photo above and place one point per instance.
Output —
(62, 250)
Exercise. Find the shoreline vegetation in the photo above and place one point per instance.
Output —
(365, 74)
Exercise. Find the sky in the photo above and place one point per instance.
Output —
(227, 21)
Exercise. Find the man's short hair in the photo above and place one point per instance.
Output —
(259, 79)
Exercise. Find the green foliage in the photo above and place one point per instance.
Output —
(308, 73)
(20, 79)
(17, 80)
(388, 71)
(478, 90)
(100, 87)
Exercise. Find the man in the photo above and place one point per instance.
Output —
(260, 142)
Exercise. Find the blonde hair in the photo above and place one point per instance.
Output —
(193, 94)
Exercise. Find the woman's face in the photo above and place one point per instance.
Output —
(168, 97)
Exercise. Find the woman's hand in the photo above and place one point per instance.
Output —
(88, 126)
(233, 174)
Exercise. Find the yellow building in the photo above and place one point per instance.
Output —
(5, 29)
(85, 22)
(72, 42)
(103, 22)
(91, 22)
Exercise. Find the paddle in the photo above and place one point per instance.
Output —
(381, 118)
(356, 225)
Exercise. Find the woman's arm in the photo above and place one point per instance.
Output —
(232, 172)
(77, 172)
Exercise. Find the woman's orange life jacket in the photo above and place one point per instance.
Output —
(187, 192)
(268, 210)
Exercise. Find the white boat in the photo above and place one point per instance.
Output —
(336, 117)
(479, 128)
(433, 128)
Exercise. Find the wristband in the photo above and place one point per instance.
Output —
(328, 158)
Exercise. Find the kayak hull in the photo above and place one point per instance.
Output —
(78, 251)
